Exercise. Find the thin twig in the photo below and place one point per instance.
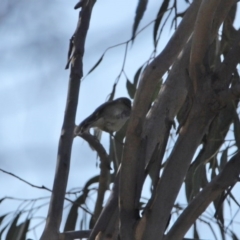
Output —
(21, 179)
(40, 187)
(23, 199)
(127, 42)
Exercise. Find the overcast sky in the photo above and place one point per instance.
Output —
(34, 44)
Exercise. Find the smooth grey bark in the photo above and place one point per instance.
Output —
(228, 177)
(150, 77)
(108, 211)
(54, 217)
(156, 218)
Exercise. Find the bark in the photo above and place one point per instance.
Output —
(70, 235)
(228, 177)
(148, 131)
(201, 35)
(155, 218)
(152, 74)
(108, 211)
(177, 166)
(54, 217)
(104, 177)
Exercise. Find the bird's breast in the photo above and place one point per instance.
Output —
(116, 122)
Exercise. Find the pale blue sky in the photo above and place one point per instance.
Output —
(34, 45)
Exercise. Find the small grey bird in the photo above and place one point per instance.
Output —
(109, 117)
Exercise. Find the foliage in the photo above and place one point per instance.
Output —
(183, 132)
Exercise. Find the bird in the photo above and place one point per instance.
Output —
(109, 117)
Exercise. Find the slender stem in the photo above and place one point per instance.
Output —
(54, 217)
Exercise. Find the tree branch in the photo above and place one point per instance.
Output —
(175, 171)
(210, 16)
(94, 143)
(228, 177)
(28, 183)
(54, 217)
(213, 141)
(173, 175)
(169, 100)
(41, 187)
(70, 235)
(104, 173)
(108, 211)
(143, 97)
(201, 37)
(227, 67)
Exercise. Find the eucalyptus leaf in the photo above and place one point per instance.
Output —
(131, 89)
(136, 76)
(13, 229)
(162, 10)
(141, 7)
(223, 159)
(23, 229)
(95, 65)
(73, 213)
(236, 124)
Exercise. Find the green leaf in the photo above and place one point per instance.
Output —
(13, 229)
(136, 77)
(2, 217)
(236, 125)
(159, 17)
(213, 166)
(116, 146)
(23, 229)
(223, 159)
(112, 94)
(141, 7)
(234, 236)
(71, 218)
(195, 232)
(73, 213)
(189, 182)
(197, 179)
(196, 184)
(234, 199)
(95, 65)
(131, 89)
(218, 205)
(3, 229)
